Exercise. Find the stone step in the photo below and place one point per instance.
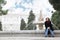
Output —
(29, 38)
(26, 33)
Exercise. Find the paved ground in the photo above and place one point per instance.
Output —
(29, 38)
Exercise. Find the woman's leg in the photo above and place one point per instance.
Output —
(46, 32)
(52, 33)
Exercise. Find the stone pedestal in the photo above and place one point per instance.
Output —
(40, 26)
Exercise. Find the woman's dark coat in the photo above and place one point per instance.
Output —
(48, 24)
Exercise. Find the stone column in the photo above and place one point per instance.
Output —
(41, 21)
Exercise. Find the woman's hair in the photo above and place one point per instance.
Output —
(48, 19)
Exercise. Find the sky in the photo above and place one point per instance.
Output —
(23, 7)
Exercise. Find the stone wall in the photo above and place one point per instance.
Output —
(26, 33)
(10, 22)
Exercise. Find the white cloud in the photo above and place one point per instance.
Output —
(36, 7)
(9, 4)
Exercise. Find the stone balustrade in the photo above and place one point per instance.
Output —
(26, 33)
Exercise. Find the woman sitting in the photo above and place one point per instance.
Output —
(49, 28)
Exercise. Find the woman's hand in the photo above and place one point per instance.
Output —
(48, 27)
